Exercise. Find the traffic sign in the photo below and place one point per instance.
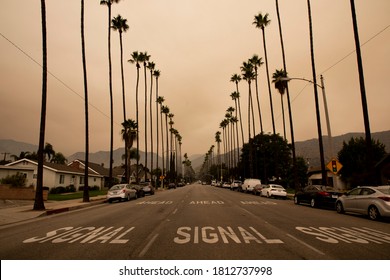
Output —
(334, 166)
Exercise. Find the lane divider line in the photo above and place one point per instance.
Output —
(147, 247)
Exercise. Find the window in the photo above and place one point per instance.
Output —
(81, 180)
(62, 179)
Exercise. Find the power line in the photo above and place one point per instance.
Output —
(54, 76)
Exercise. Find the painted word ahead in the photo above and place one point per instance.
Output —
(211, 235)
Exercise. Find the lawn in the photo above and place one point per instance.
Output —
(75, 195)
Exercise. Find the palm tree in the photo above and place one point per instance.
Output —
(86, 187)
(236, 79)
(38, 202)
(235, 95)
(151, 66)
(171, 122)
(257, 62)
(135, 58)
(160, 101)
(49, 151)
(129, 133)
(109, 3)
(120, 24)
(165, 110)
(234, 121)
(248, 75)
(288, 100)
(363, 97)
(145, 59)
(281, 85)
(218, 141)
(229, 117)
(261, 22)
(323, 171)
(156, 74)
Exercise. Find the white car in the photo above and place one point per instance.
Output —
(249, 184)
(273, 190)
(121, 192)
(226, 185)
(371, 201)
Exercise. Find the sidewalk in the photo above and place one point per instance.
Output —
(13, 211)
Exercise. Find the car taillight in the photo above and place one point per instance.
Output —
(123, 191)
(385, 198)
(324, 193)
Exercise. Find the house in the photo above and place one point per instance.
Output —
(56, 175)
(94, 168)
(315, 178)
(28, 173)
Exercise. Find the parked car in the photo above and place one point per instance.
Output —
(371, 201)
(121, 192)
(257, 189)
(171, 186)
(139, 189)
(249, 184)
(273, 190)
(317, 195)
(226, 185)
(236, 185)
(147, 188)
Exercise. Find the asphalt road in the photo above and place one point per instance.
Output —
(198, 222)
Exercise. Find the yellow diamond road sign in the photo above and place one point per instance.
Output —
(334, 166)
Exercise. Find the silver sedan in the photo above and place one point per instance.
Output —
(371, 201)
(121, 192)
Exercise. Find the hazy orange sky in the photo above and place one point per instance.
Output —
(197, 45)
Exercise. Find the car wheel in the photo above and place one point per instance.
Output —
(313, 203)
(373, 213)
(296, 200)
(339, 207)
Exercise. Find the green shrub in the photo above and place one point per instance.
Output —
(16, 180)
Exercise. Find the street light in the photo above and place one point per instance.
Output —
(330, 139)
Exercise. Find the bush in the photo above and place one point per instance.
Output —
(16, 180)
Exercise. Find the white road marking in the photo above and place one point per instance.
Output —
(305, 244)
(147, 247)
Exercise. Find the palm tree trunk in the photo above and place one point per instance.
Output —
(323, 170)
(284, 122)
(268, 81)
(151, 121)
(111, 95)
(38, 203)
(288, 101)
(137, 120)
(157, 125)
(146, 124)
(258, 104)
(162, 144)
(86, 186)
(167, 142)
(239, 108)
(369, 156)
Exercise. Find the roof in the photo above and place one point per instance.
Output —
(56, 167)
(95, 167)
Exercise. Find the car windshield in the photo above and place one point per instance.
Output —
(116, 187)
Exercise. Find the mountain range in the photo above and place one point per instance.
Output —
(308, 149)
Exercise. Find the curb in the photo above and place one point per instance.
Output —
(74, 207)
